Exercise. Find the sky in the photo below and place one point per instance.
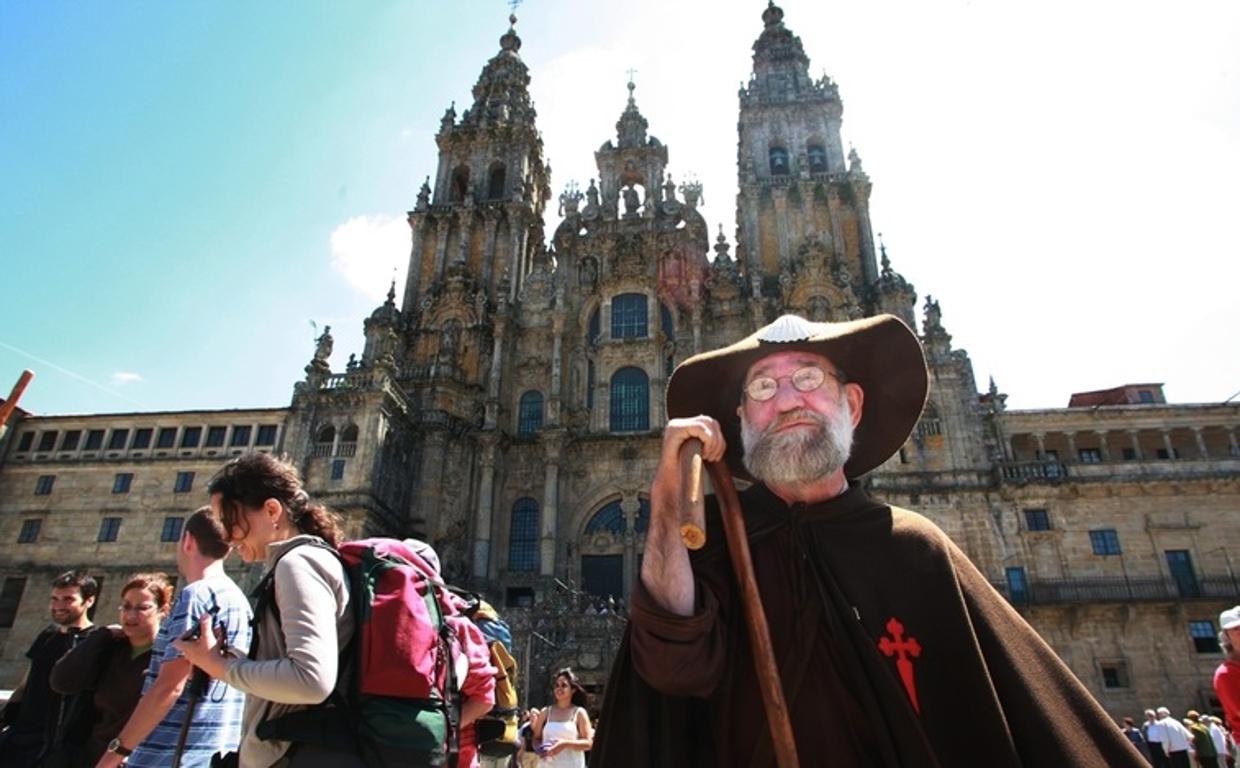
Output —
(191, 191)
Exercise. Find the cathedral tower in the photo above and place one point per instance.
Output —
(804, 236)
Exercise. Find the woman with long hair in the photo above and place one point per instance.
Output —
(294, 662)
(562, 731)
(109, 664)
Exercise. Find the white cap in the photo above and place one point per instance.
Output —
(1230, 618)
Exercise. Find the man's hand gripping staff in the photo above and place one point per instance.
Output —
(678, 512)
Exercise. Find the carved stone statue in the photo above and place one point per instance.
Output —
(323, 345)
(424, 195)
(449, 341)
(592, 195)
(631, 201)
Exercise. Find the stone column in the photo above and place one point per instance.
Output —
(418, 223)
(491, 222)
(1201, 442)
(1040, 439)
(1072, 455)
(557, 347)
(515, 261)
(493, 379)
(1102, 445)
(483, 515)
(697, 328)
(780, 197)
(1235, 446)
(553, 444)
(1166, 436)
(630, 506)
(1134, 435)
(441, 244)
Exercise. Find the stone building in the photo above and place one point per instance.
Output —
(509, 409)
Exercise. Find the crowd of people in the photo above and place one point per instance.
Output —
(192, 678)
(1194, 740)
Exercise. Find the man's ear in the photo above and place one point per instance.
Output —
(856, 399)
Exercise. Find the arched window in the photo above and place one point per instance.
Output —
(630, 400)
(530, 413)
(929, 424)
(817, 158)
(495, 182)
(523, 536)
(323, 440)
(593, 330)
(665, 320)
(628, 316)
(460, 184)
(779, 161)
(610, 518)
(348, 441)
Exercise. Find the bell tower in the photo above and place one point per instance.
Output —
(804, 238)
(482, 213)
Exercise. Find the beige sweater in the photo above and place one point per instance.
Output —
(295, 666)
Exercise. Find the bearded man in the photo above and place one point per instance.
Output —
(893, 649)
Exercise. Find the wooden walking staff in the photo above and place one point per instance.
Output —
(6, 409)
(755, 617)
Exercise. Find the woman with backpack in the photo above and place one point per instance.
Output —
(562, 731)
(293, 664)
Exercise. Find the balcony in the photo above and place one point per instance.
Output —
(1021, 472)
(1120, 590)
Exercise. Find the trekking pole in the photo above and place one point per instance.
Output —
(197, 685)
(6, 408)
(755, 617)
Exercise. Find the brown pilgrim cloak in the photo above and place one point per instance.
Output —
(869, 606)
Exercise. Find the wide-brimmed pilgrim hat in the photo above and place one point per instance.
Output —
(878, 353)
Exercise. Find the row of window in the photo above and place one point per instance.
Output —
(109, 529)
(142, 438)
(629, 319)
(121, 483)
(1202, 634)
(629, 400)
(778, 159)
(1179, 565)
(523, 529)
(496, 176)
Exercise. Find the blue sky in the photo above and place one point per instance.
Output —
(186, 186)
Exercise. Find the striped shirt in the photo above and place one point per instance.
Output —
(216, 723)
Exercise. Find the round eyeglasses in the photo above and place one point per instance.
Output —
(807, 379)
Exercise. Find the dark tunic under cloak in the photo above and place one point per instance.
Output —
(836, 579)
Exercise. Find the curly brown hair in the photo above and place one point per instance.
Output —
(248, 481)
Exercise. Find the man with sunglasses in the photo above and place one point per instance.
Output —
(155, 734)
(892, 648)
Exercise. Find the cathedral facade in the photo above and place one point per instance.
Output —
(509, 408)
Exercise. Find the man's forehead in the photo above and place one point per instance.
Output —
(64, 592)
(795, 358)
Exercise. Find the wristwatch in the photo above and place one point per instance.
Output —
(115, 746)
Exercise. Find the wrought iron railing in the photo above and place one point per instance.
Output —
(1119, 589)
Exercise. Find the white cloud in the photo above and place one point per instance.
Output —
(120, 378)
(366, 250)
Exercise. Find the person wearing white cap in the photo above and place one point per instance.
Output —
(1227, 676)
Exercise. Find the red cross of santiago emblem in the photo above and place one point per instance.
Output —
(904, 651)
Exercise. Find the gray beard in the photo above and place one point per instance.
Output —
(800, 457)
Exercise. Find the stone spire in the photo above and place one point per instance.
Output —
(501, 95)
(780, 66)
(631, 127)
